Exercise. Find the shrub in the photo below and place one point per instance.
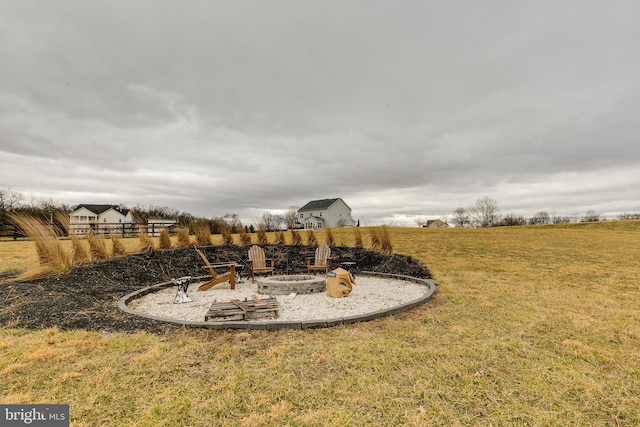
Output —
(331, 241)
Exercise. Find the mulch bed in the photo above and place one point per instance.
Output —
(87, 297)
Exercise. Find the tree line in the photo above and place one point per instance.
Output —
(51, 211)
(485, 213)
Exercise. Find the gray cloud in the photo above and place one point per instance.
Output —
(407, 109)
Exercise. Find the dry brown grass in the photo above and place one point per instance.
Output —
(81, 254)
(183, 237)
(165, 239)
(262, 235)
(279, 238)
(145, 242)
(54, 257)
(329, 239)
(529, 326)
(203, 233)
(98, 247)
(245, 237)
(117, 246)
(311, 239)
(357, 237)
(296, 238)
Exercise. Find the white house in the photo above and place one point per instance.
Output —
(98, 218)
(325, 213)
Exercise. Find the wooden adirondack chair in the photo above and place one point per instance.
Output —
(321, 260)
(258, 263)
(215, 279)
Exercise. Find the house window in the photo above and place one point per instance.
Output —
(301, 215)
(320, 213)
(319, 225)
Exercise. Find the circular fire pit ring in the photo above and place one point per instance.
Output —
(287, 284)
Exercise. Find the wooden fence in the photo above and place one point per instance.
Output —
(11, 231)
(105, 229)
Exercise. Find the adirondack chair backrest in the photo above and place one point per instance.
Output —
(256, 255)
(323, 253)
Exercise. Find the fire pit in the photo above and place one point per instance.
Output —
(285, 285)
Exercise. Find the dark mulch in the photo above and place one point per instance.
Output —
(87, 297)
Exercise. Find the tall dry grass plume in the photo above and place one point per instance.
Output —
(183, 237)
(146, 243)
(55, 259)
(331, 241)
(80, 251)
(311, 239)
(357, 237)
(376, 243)
(203, 233)
(98, 247)
(63, 223)
(117, 246)
(165, 239)
(262, 235)
(225, 232)
(279, 238)
(385, 240)
(296, 238)
(245, 237)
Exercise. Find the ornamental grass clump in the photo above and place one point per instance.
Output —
(98, 248)
(296, 238)
(279, 238)
(357, 237)
(245, 237)
(165, 239)
(311, 239)
(183, 237)
(55, 258)
(262, 235)
(146, 243)
(203, 233)
(80, 251)
(117, 246)
(330, 240)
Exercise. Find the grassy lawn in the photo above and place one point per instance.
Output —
(529, 326)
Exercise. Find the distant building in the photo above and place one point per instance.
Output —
(325, 213)
(98, 218)
(436, 223)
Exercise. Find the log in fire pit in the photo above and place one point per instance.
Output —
(297, 283)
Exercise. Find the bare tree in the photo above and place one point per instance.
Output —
(461, 218)
(591, 216)
(485, 212)
(291, 217)
(511, 220)
(420, 221)
(9, 199)
(540, 218)
(272, 222)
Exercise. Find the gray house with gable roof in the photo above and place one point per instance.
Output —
(325, 213)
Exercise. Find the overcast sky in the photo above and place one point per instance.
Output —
(401, 108)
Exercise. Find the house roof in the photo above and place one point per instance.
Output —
(98, 209)
(319, 204)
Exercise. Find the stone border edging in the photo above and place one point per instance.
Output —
(303, 324)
